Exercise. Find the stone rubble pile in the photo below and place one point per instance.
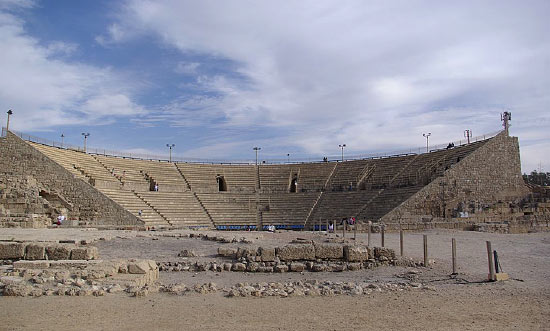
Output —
(295, 288)
(82, 278)
(315, 257)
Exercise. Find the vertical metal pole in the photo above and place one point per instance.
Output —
(425, 250)
(401, 241)
(382, 235)
(355, 231)
(344, 229)
(453, 242)
(491, 275)
(369, 233)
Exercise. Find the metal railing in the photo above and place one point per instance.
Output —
(302, 159)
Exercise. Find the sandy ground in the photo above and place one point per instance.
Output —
(462, 303)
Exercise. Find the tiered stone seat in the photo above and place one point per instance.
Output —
(334, 206)
(230, 208)
(83, 165)
(133, 204)
(181, 209)
(348, 174)
(276, 177)
(202, 177)
(313, 176)
(286, 208)
(386, 201)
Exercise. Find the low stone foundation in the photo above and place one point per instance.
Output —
(46, 251)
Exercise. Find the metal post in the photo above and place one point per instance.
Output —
(453, 242)
(369, 233)
(491, 275)
(401, 241)
(256, 149)
(382, 235)
(355, 231)
(10, 112)
(342, 147)
(344, 229)
(62, 139)
(427, 136)
(425, 250)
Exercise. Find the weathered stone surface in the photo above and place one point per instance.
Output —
(356, 253)
(24, 264)
(354, 266)
(35, 252)
(187, 253)
(229, 252)
(281, 268)
(12, 251)
(252, 266)
(238, 267)
(84, 253)
(267, 254)
(247, 251)
(319, 267)
(380, 252)
(297, 267)
(294, 252)
(265, 269)
(58, 252)
(329, 251)
(11, 280)
(138, 267)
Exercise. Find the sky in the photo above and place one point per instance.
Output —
(217, 78)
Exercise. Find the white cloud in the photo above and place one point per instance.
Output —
(372, 75)
(187, 68)
(44, 90)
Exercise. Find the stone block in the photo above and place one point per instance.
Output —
(238, 267)
(387, 253)
(35, 252)
(252, 266)
(281, 268)
(356, 253)
(139, 267)
(229, 252)
(84, 253)
(11, 280)
(296, 252)
(58, 252)
(24, 264)
(297, 267)
(247, 251)
(267, 254)
(12, 251)
(329, 251)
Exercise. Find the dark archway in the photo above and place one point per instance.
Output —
(294, 184)
(222, 185)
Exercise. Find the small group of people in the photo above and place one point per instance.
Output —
(60, 219)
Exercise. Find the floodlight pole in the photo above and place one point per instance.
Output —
(342, 147)
(468, 134)
(86, 135)
(427, 136)
(10, 112)
(170, 146)
(256, 149)
(288, 157)
(62, 139)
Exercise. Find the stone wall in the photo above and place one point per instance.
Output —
(490, 174)
(20, 162)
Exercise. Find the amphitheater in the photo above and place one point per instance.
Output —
(413, 190)
(190, 236)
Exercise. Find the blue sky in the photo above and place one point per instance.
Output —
(217, 78)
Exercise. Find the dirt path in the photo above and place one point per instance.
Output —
(474, 307)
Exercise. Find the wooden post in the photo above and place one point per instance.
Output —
(369, 232)
(326, 223)
(425, 250)
(355, 231)
(453, 242)
(382, 235)
(401, 241)
(344, 229)
(491, 275)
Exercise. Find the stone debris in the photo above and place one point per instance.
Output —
(187, 253)
(82, 278)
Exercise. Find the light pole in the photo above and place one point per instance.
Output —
(86, 135)
(427, 136)
(256, 149)
(468, 134)
(170, 146)
(288, 157)
(62, 136)
(8, 124)
(342, 147)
